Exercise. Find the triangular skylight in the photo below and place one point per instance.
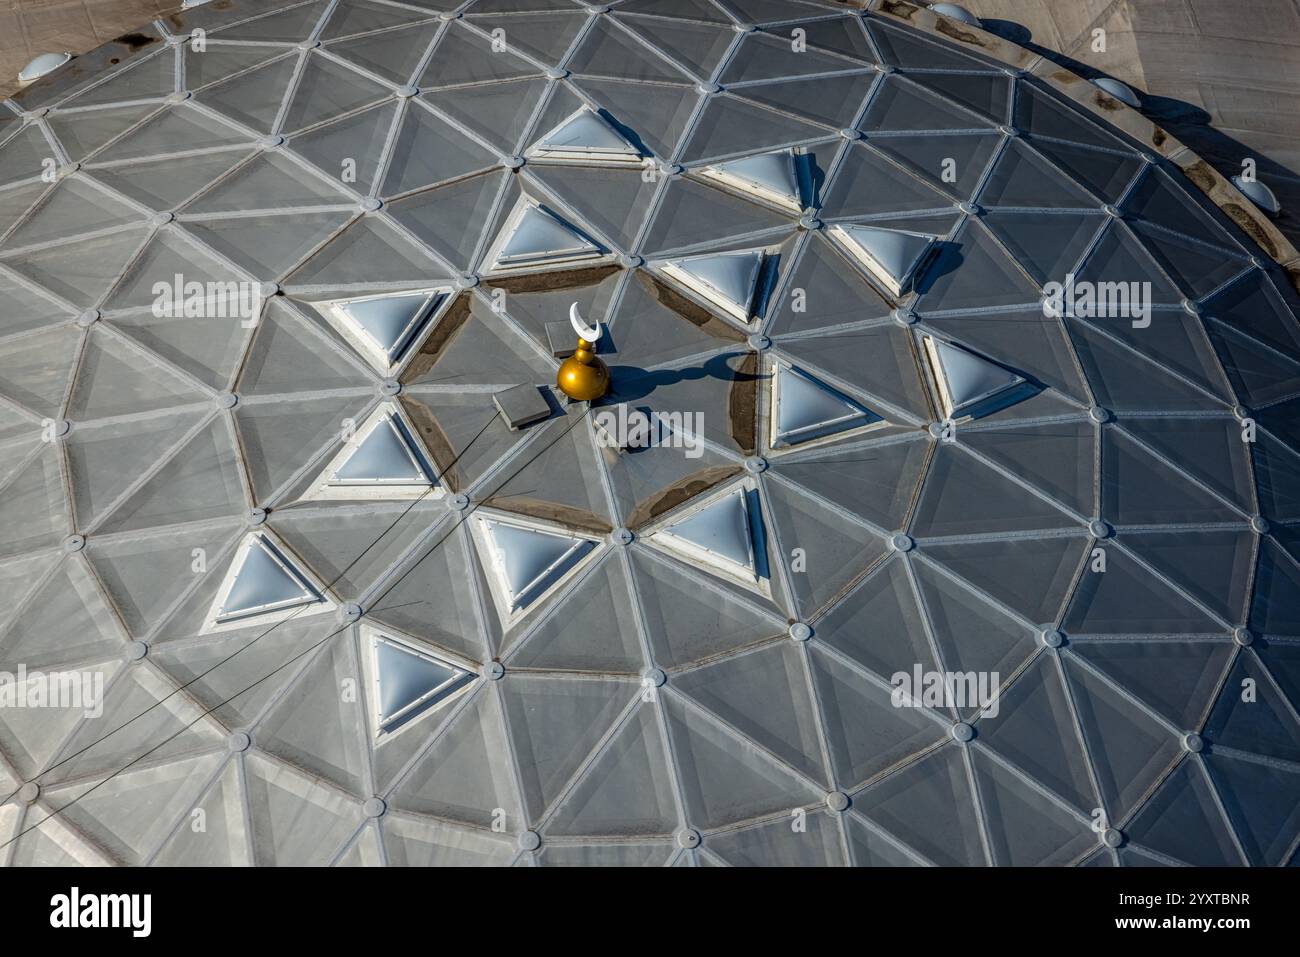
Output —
(773, 177)
(383, 459)
(728, 281)
(892, 257)
(524, 562)
(262, 585)
(406, 681)
(969, 385)
(386, 329)
(719, 534)
(534, 236)
(804, 408)
(585, 137)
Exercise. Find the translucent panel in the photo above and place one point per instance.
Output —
(81, 134)
(165, 184)
(1133, 602)
(1059, 459)
(295, 822)
(1123, 379)
(278, 438)
(904, 48)
(176, 129)
(626, 790)
(729, 126)
(927, 157)
(408, 843)
(833, 101)
(903, 106)
(1159, 200)
(1030, 576)
(263, 579)
(987, 277)
(1025, 828)
(220, 60)
(1262, 802)
(269, 246)
(359, 138)
(986, 95)
(688, 623)
(465, 773)
(327, 90)
(253, 98)
(1023, 178)
(393, 55)
(609, 51)
(225, 841)
(1214, 567)
(1106, 174)
(1035, 730)
(288, 26)
(691, 213)
(833, 295)
(964, 497)
(836, 552)
(1195, 268)
(1264, 726)
(1275, 609)
(359, 16)
(877, 481)
(146, 79)
(71, 208)
(1137, 489)
(697, 46)
(450, 218)
(723, 781)
(34, 369)
(718, 533)
(203, 288)
(429, 150)
(535, 236)
(545, 36)
(80, 272)
(762, 56)
(25, 153)
(614, 202)
(657, 121)
(269, 181)
(929, 807)
(369, 251)
(1178, 679)
(201, 481)
(968, 383)
(555, 723)
(1041, 114)
(970, 634)
(288, 355)
(529, 562)
(777, 845)
(1129, 751)
(805, 409)
(593, 629)
(462, 57)
(1048, 247)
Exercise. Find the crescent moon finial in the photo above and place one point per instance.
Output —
(580, 327)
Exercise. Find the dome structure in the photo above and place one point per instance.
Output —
(942, 509)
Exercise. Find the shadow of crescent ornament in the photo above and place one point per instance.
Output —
(583, 376)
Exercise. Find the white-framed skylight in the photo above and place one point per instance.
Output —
(968, 385)
(585, 137)
(892, 258)
(526, 561)
(387, 329)
(728, 282)
(383, 459)
(722, 532)
(803, 408)
(264, 585)
(533, 236)
(773, 178)
(406, 681)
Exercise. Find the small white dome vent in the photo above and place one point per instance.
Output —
(1121, 91)
(42, 65)
(955, 12)
(1258, 193)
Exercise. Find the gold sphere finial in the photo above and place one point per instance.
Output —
(583, 376)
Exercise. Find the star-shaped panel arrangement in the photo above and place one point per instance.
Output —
(265, 288)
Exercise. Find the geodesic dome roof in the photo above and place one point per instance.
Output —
(261, 300)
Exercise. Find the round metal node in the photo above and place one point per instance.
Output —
(1052, 637)
(268, 289)
(371, 205)
(28, 793)
(458, 502)
(467, 281)
(1193, 742)
(137, 651)
(530, 841)
(239, 741)
(1112, 837)
(759, 343)
(837, 801)
(351, 611)
(494, 670)
(227, 400)
(1098, 414)
(1259, 524)
(708, 89)
(61, 427)
(512, 162)
(161, 219)
(688, 837)
(1111, 211)
(555, 73)
(1099, 529)
(257, 516)
(963, 732)
(630, 262)
(1191, 308)
(621, 536)
(88, 318)
(800, 631)
(270, 142)
(905, 317)
(390, 387)
(755, 464)
(850, 134)
(810, 222)
(1243, 636)
(653, 677)
(902, 542)
(407, 91)
(74, 543)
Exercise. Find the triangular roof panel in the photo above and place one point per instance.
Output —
(263, 584)
(773, 177)
(720, 534)
(386, 329)
(524, 562)
(728, 281)
(585, 137)
(969, 385)
(383, 459)
(804, 408)
(534, 236)
(407, 681)
(892, 257)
